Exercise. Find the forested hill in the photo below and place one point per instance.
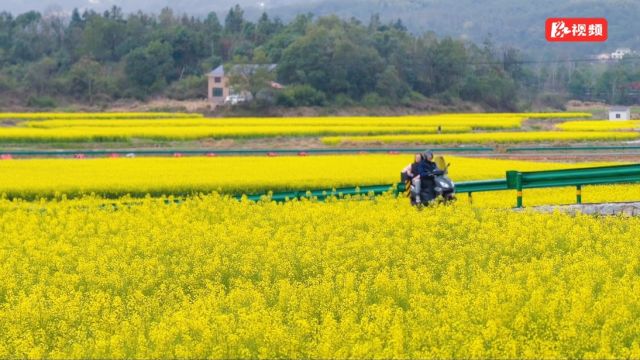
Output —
(50, 59)
(508, 22)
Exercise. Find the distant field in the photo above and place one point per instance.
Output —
(600, 125)
(488, 137)
(125, 127)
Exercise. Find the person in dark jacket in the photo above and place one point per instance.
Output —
(427, 170)
(421, 173)
(429, 166)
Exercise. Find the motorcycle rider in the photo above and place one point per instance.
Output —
(430, 167)
(421, 173)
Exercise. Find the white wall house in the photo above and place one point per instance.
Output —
(219, 88)
(620, 53)
(619, 113)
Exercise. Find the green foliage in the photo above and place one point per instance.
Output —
(373, 99)
(102, 38)
(97, 58)
(82, 79)
(581, 86)
(150, 67)
(390, 86)
(249, 78)
(41, 102)
(191, 87)
(552, 100)
(301, 95)
(234, 21)
(333, 58)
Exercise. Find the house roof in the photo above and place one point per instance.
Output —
(619, 108)
(219, 71)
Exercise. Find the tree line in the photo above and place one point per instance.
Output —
(96, 58)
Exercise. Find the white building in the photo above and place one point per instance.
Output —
(620, 53)
(219, 87)
(619, 113)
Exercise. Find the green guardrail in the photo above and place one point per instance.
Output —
(468, 187)
(515, 180)
(103, 152)
(571, 177)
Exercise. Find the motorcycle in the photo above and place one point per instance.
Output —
(436, 187)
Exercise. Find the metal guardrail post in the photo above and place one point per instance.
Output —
(579, 194)
(519, 190)
(470, 197)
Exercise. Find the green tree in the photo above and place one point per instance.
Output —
(234, 22)
(83, 77)
(580, 85)
(39, 74)
(332, 58)
(150, 68)
(390, 86)
(251, 78)
(101, 38)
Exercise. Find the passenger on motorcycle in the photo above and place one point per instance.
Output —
(413, 172)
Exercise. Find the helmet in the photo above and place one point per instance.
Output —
(427, 155)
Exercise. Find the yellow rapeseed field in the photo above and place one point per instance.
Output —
(476, 122)
(234, 175)
(84, 277)
(487, 137)
(90, 127)
(599, 125)
(218, 278)
(557, 115)
(98, 134)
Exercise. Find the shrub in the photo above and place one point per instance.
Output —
(301, 95)
(41, 102)
(190, 87)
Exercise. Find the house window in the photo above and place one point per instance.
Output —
(618, 116)
(217, 92)
(217, 79)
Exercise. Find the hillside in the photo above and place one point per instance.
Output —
(506, 22)
(513, 23)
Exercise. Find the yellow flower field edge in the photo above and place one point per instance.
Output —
(476, 122)
(600, 125)
(558, 115)
(489, 137)
(182, 176)
(218, 278)
(101, 134)
(103, 115)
